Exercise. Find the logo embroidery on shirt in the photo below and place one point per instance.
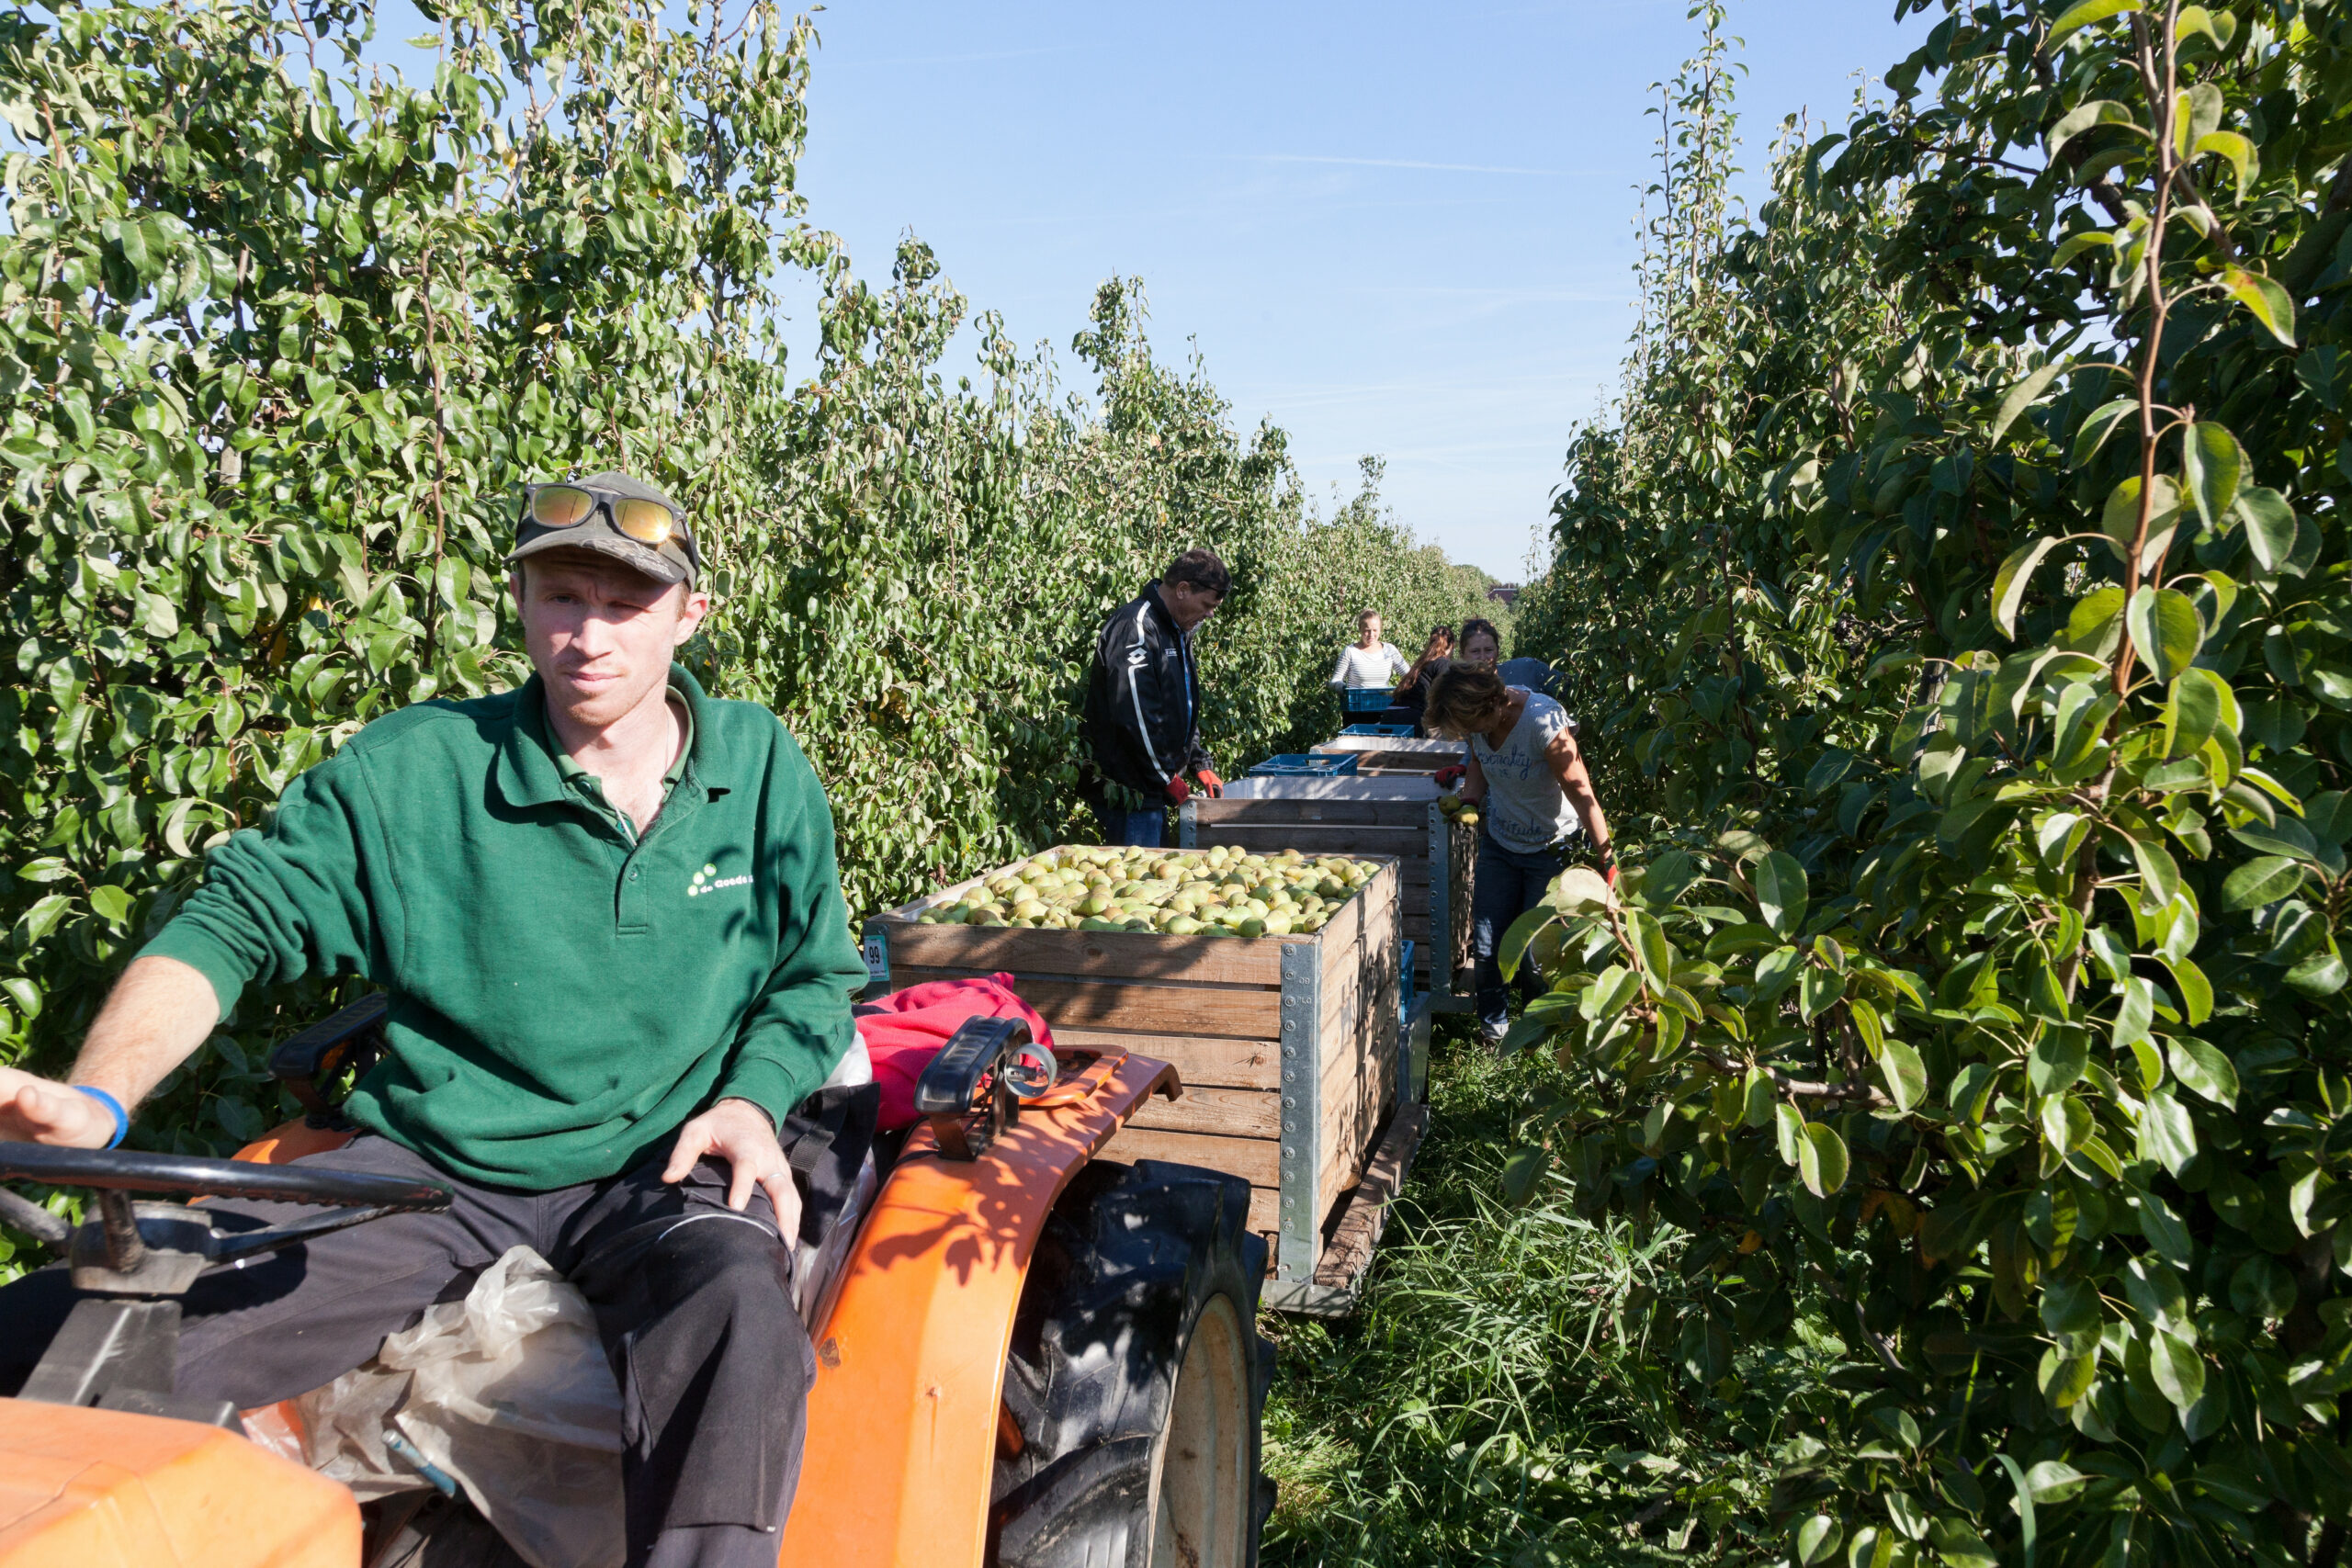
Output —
(708, 880)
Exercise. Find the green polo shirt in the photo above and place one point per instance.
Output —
(590, 788)
(564, 994)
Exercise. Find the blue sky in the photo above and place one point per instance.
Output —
(1395, 228)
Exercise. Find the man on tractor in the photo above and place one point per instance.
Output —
(1143, 702)
(606, 912)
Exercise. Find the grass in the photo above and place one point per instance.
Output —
(1495, 1399)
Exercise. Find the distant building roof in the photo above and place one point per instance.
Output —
(1506, 592)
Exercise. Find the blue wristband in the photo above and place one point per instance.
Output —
(122, 1117)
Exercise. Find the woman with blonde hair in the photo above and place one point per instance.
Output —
(1367, 662)
(1530, 780)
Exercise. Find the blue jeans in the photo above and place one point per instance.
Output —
(1138, 827)
(1508, 884)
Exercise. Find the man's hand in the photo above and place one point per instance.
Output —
(1178, 790)
(740, 1134)
(1211, 783)
(35, 1110)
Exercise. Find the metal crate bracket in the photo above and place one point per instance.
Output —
(1299, 1236)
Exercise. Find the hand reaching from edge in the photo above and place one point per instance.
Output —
(36, 1110)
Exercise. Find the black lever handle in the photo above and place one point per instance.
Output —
(304, 1063)
(971, 1091)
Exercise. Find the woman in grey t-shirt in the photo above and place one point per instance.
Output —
(1526, 773)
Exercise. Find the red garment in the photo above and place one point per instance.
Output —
(906, 1029)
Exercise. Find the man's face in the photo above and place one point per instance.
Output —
(1480, 650)
(1189, 603)
(600, 635)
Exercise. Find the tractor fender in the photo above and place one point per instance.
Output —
(905, 1415)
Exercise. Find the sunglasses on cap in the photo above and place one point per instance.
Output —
(568, 505)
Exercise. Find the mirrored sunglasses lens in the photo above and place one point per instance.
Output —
(647, 522)
(560, 506)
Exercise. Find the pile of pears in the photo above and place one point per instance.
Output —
(1215, 892)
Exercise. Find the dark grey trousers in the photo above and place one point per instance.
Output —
(693, 1302)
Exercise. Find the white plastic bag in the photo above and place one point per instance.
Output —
(507, 1392)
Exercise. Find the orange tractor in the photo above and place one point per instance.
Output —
(1025, 1355)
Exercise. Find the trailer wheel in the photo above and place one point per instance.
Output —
(1136, 1381)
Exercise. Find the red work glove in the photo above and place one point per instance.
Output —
(1452, 775)
(1611, 873)
(1178, 790)
(1211, 783)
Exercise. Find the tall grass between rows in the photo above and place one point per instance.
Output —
(1496, 1397)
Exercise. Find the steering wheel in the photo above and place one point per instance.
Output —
(134, 1170)
(157, 1249)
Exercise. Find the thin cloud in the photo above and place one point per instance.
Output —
(1406, 163)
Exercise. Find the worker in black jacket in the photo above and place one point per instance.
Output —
(1143, 702)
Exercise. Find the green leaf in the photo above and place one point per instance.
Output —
(2015, 575)
(1523, 1167)
(2213, 464)
(2097, 112)
(2269, 302)
(2164, 1229)
(2054, 1481)
(2179, 1369)
(2120, 519)
(1905, 1074)
(2200, 703)
(2074, 245)
(48, 868)
(2165, 630)
(2238, 149)
(2166, 1134)
(2020, 397)
(111, 903)
(2024, 1504)
(2098, 426)
(41, 918)
(1652, 951)
(1816, 1539)
(2203, 1068)
(2260, 882)
(1512, 950)
(2134, 1015)
(1817, 992)
(2056, 1060)
(1788, 1126)
(1779, 884)
(1821, 1160)
(2269, 525)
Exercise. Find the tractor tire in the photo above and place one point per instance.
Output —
(1137, 1382)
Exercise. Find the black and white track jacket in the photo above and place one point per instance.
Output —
(1143, 698)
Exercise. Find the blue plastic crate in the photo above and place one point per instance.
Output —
(1367, 699)
(1299, 764)
(1381, 731)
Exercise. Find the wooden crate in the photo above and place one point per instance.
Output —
(1394, 815)
(1394, 754)
(1289, 1046)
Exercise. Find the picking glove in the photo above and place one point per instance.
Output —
(1452, 775)
(1178, 790)
(1211, 783)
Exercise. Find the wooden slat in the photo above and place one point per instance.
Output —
(1357, 1234)
(1258, 1161)
(1202, 1060)
(1310, 838)
(1326, 813)
(1124, 956)
(1232, 1012)
(1233, 1112)
(1266, 1217)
